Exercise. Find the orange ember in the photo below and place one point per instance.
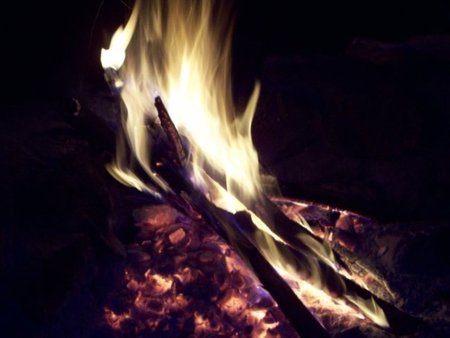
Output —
(182, 279)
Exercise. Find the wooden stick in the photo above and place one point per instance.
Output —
(175, 145)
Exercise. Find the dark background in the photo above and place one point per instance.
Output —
(49, 43)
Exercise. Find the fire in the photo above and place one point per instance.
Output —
(180, 51)
(334, 314)
(115, 55)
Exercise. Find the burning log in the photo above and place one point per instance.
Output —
(342, 287)
(343, 230)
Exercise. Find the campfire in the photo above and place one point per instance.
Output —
(246, 170)
(219, 252)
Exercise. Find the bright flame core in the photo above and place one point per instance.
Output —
(115, 55)
(181, 50)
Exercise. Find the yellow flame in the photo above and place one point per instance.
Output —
(180, 50)
(115, 55)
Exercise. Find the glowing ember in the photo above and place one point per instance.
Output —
(177, 236)
(158, 284)
(116, 321)
(201, 288)
(233, 303)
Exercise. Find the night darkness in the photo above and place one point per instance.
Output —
(49, 44)
(354, 112)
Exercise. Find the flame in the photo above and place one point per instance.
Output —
(180, 50)
(115, 55)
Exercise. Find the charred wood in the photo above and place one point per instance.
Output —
(169, 128)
